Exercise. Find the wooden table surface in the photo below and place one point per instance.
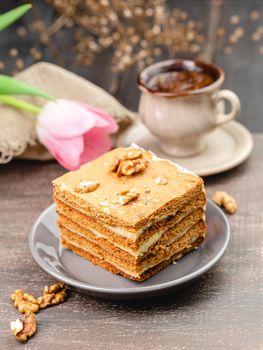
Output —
(223, 310)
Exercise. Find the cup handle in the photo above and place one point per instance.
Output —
(235, 106)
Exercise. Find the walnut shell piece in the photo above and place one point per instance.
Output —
(24, 328)
(52, 295)
(24, 302)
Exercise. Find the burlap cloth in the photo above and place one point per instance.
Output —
(17, 128)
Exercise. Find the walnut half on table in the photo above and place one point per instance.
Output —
(224, 200)
(52, 295)
(24, 302)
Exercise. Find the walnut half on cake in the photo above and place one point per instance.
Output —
(130, 212)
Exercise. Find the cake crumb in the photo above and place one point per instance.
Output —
(161, 180)
(104, 204)
(63, 187)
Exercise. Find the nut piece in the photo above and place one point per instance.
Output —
(226, 201)
(115, 164)
(86, 186)
(128, 196)
(24, 302)
(52, 295)
(129, 164)
(25, 327)
(133, 153)
(131, 167)
(161, 180)
(126, 168)
(140, 165)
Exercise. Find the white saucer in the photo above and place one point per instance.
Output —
(225, 148)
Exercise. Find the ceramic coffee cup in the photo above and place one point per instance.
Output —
(182, 118)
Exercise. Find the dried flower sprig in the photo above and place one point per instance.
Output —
(136, 32)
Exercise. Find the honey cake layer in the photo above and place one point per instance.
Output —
(159, 237)
(198, 230)
(153, 199)
(113, 269)
(127, 238)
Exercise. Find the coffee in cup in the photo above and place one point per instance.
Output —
(181, 102)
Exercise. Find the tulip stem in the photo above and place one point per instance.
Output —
(18, 104)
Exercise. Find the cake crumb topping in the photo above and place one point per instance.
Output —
(104, 204)
(63, 186)
(86, 186)
(161, 180)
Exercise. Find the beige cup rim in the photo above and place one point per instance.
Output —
(142, 76)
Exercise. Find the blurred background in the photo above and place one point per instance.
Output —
(109, 41)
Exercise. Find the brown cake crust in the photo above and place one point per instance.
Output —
(153, 199)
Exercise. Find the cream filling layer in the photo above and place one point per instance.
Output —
(147, 244)
(144, 246)
(135, 254)
(121, 268)
(133, 236)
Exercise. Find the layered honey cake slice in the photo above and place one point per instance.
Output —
(130, 212)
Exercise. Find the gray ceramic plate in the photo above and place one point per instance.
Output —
(75, 271)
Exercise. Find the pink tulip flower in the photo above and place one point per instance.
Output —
(73, 132)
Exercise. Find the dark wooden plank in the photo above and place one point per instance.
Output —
(223, 310)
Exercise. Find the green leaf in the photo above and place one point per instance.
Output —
(11, 16)
(12, 86)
